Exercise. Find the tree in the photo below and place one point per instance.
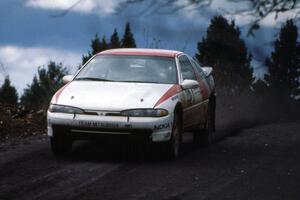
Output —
(8, 93)
(96, 47)
(128, 39)
(226, 52)
(260, 87)
(284, 63)
(85, 58)
(104, 45)
(44, 85)
(114, 40)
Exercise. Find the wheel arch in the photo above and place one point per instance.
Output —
(213, 105)
(178, 110)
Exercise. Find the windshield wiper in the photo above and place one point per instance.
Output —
(92, 79)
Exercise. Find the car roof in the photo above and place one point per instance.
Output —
(140, 51)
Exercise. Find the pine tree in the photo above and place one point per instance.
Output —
(85, 58)
(96, 47)
(32, 95)
(226, 52)
(284, 63)
(104, 45)
(260, 87)
(128, 39)
(8, 93)
(114, 40)
(49, 80)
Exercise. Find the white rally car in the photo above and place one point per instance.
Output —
(152, 94)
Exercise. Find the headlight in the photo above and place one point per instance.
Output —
(64, 109)
(145, 112)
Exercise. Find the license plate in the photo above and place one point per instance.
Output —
(98, 124)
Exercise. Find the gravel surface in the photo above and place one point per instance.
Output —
(258, 162)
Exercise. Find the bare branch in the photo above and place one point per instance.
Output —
(258, 9)
(173, 6)
(65, 12)
(3, 70)
(156, 6)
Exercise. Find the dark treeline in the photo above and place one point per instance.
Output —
(226, 52)
(98, 45)
(222, 48)
(48, 80)
(8, 93)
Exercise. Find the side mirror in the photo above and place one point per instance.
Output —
(189, 84)
(207, 70)
(67, 79)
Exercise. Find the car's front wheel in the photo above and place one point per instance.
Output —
(60, 143)
(173, 147)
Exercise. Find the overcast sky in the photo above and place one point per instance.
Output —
(31, 33)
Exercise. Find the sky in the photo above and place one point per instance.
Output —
(33, 32)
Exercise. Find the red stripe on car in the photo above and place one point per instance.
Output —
(203, 89)
(141, 52)
(58, 93)
(171, 92)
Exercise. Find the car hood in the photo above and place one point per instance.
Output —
(115, 96)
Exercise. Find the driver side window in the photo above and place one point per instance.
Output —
(186, 68)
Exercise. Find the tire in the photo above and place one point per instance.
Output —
(173, 147)
(204, 136)
(207, 138)
(197, 139)
(61, 144)
(213, 112)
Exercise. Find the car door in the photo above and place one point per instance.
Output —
(192, 97)
(205, 90)
(205, 82)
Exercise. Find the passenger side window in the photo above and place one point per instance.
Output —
(198, 68)
(186, 68)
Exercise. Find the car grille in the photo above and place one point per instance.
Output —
(103, 133)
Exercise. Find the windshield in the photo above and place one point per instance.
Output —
(127, 68)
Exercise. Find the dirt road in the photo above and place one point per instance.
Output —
(261, 162)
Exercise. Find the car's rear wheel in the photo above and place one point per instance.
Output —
(208, 132)
(204, 136)
(173, 147)
(61, 144)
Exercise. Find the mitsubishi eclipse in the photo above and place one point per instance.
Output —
(153, 94)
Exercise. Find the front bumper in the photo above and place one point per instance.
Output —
(158, 128)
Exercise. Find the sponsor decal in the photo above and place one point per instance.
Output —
(161, 126)
(174, 98)
(58, 93)
(190, 97)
